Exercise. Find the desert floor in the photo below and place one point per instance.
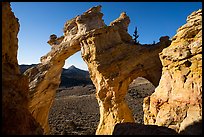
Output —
(75, 110)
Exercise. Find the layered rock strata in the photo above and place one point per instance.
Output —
(177, 101)
(16, 119)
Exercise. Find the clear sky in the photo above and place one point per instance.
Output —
(38, 20)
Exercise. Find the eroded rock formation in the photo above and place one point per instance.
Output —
(16, 119)
(112, 59)
(114, 62)
(177, 101)
(44, 78)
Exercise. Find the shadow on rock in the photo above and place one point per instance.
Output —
(140, 129)
(193, 129)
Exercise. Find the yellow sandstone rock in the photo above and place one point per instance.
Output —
(44, 78)
(177, 101)
(113, 62)
(16, 119)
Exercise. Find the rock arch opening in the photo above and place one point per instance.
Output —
(138, 89)
(44, 78)
(75, 110)
(123, 63)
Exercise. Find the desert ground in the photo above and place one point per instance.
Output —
(75, 110)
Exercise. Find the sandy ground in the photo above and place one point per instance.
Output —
(75, 110)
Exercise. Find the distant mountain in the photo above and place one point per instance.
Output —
(74, 77)
(73, 72)
(70, 77)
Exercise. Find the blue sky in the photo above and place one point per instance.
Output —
(38, 20)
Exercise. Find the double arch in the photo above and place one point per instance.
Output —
(113, 62)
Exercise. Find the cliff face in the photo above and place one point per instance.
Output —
(15, 115)
(177, 101)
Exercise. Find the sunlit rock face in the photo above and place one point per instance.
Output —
(114, 62)
(16, 119)
(177, 101)
(44, 78)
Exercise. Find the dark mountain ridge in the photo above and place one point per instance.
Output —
(70, 77)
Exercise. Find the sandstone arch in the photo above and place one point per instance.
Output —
(44, 78)
(113, 62)
(123, 63)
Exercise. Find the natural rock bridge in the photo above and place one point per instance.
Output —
(113, 62)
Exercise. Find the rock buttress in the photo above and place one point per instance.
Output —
(16, 119)
(177, 101)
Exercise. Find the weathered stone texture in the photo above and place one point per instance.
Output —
(177, 101)
(16, 119)
(112, 59)
(44, 78)
(114, 62)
